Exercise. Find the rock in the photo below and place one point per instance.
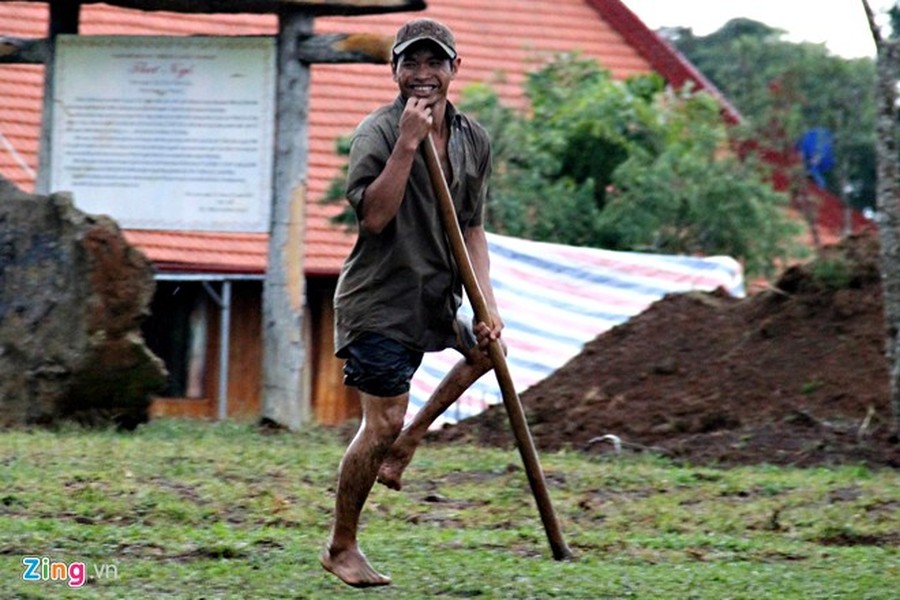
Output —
(73, 294)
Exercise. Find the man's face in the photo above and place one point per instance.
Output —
(424, 71)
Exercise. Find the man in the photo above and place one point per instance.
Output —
(399, 290)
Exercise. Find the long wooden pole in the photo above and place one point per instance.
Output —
(504, 379)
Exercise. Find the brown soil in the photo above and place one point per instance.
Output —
(793, 375)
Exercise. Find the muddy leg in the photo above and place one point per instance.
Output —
(457, 381)
(380, 426)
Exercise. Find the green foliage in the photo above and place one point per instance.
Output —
(833, 273)
(335, 193)
(626, 166)
(894, 16)
(796, 87)
(694, 198)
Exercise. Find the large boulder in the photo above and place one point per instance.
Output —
(73, 294)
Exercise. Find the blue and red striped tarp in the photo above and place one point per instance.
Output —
(555, 298)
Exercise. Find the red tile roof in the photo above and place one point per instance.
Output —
(202, 251)
(499, 42)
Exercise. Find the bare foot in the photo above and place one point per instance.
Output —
(351, 567)
(392, 468)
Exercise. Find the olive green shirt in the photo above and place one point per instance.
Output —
(403, 282)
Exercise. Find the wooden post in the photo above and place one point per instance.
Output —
(285, 398)
(64, 15)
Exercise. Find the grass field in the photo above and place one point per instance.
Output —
(196, 510)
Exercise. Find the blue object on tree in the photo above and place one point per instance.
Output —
(817, 148)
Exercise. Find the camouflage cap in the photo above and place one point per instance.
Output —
(420, 30)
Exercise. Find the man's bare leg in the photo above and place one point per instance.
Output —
(458, 380)
(380, 426)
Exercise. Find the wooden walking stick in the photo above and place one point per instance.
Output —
(510, 396)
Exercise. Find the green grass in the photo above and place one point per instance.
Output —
(194, 510)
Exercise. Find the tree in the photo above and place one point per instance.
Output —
(888, 215)
(694, 197)
(627, 166)
(758, 72)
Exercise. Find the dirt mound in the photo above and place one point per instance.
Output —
(792, 375)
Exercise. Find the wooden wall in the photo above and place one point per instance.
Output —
(332, 402)
(245, 352)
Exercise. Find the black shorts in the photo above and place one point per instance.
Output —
(380, 366)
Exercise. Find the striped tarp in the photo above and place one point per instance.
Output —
(555, 298)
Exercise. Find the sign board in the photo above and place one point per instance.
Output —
(166, 132)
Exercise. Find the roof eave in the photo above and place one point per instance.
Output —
(201, 267)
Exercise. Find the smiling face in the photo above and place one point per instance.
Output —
(424, 71)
